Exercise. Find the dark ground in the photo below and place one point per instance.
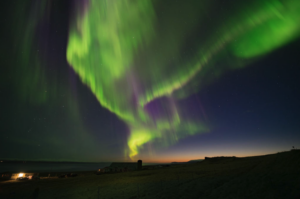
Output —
(275, 176)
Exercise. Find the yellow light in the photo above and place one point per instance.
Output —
(21, 174)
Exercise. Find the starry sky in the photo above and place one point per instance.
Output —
(161, 81)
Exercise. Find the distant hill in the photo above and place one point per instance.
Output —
(191, 161)
(198, 160)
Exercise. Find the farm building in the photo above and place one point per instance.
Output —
(123, 167)
(15, 176)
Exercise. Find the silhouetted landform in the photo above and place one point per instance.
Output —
(268, 176)
(190, 161)
(193, 161)
(295, 149)
(220, 158)
(122, 167)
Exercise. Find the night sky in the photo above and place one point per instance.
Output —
(161, 81)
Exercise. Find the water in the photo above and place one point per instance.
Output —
(50, 167)
(16, 167)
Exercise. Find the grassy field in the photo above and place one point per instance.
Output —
(271, 176)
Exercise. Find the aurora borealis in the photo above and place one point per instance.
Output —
(124, 80)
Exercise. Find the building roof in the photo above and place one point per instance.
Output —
(124, 164)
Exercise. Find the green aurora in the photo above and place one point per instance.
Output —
(135, 53)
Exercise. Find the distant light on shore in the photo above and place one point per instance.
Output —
(21, 174)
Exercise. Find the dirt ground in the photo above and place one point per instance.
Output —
(271, 176)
